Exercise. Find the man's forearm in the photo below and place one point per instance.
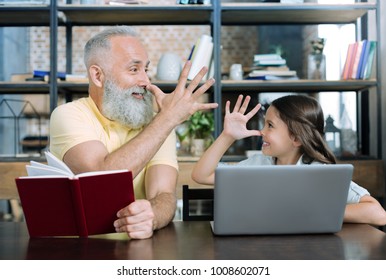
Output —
(164, 208)
(135, 154)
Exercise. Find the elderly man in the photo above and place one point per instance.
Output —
(115, 127)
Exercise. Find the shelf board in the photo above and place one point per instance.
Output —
(24, 88)
(306, 13)
(137, 14)
(26, 15)
(227, 86)
(296, 85)
(82, 88)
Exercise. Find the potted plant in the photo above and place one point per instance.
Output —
(200, 128)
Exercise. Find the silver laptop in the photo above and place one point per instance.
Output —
(285, 199)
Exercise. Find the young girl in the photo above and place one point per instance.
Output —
(293, 133)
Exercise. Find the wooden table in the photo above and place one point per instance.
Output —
(195, 241)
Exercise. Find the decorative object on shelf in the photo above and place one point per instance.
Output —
(317, 60)
(169, 67)
(348, 135)
(183, 141)
(15, 113)
(236, 72)
(333, 136)
(200, 127)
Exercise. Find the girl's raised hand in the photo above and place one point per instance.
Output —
(235, 122)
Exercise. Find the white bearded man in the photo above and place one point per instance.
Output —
(116, 126)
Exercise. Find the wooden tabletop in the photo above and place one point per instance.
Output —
(195, 241)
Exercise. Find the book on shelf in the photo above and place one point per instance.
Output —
(201, 55)
(44, 75)
(126, 2)
(288, 73)
(76, 78)
(268, 60)
(359, 60)
(272, 73)
(191, 2)
(347, 69)
(369, 61)
(362, 58)
(272, 78)
(58, 203)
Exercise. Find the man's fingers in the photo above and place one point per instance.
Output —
(204, 88)
(180, 89)
(197, 79)
(207, 106)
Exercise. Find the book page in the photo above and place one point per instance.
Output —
(57, 163)
(58, 168)
(44, 170)
(96, 173)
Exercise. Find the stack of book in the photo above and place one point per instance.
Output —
(43, 75)
(270, 67)
(359, 60)
(127, 2)
(202, 55)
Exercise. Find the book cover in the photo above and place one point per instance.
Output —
(266, 56)
(368, 67)
(351, 60)
(364, 53)
(202, 55)
(357, 57)
(289, 73)
(270, 62)
(86, 204)
(347, 63)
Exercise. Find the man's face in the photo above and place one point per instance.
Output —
(132, 107)
(125, 97)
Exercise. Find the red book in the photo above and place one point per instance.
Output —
(348, 62)
(357, 58)
(81, 205)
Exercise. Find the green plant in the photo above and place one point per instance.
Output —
(201, 125)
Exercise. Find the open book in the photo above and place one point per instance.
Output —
(58, 203)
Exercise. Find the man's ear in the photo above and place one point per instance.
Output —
(96, 75)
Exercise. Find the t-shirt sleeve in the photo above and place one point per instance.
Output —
(355, 193)
(167, 154)
(69, 127)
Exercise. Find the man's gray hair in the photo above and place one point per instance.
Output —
(101, 41)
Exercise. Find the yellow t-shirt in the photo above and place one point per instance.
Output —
(80, 121)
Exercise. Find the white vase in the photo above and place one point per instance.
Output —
(169, 67)
(197, 147)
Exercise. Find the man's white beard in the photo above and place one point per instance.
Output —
(120, 105)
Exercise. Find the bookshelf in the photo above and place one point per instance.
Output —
(216, 16)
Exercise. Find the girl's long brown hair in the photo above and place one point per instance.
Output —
(305, 120)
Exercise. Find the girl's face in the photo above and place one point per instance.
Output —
(277, 141)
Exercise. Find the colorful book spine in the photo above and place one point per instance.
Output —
(370, 60)
(347, 69)
(362, 58)
(357, 57)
